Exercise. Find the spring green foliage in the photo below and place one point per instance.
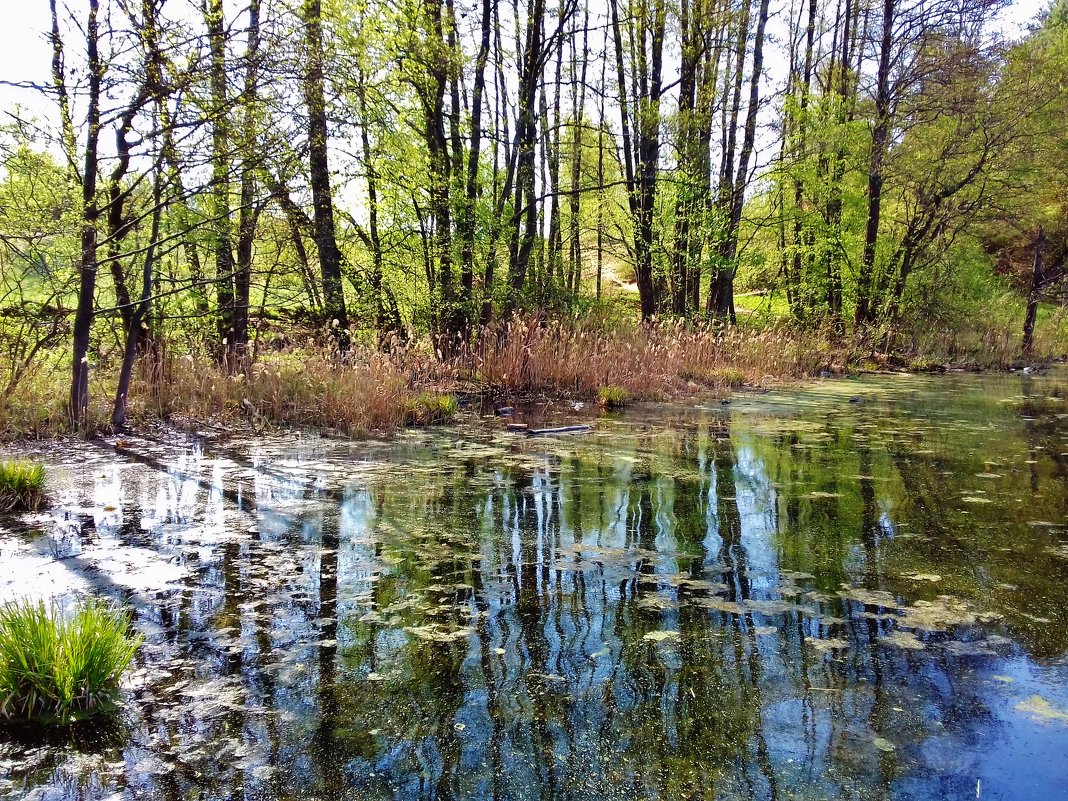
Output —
(901, 219)
(60, 669)
(21, 485)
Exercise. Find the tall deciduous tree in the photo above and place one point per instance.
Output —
(319, 173)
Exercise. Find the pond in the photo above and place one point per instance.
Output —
(857, 589)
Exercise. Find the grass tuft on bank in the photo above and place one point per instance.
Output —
(57, 669)
(21, 485)
(613, 397)
(430, 408)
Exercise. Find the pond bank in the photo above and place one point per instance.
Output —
(371, 391)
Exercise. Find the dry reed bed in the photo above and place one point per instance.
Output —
(652, 361)
(372, 390)
(308, 389)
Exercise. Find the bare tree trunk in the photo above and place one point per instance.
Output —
(297, 220)
(220, 177)
(554, 267)
(59, 85)
(440, 169)
(577, 122)
(1033, 296)
(501, 137)
(866, 304)
(691, 37)
(118, 413)
(319, 175)
(117, 224)
(647, 38)
(718, 295)
(460, 316)
(542, 280)
(624, 112)
(729, 249)
(83, 317)
(180, 209)
(248, 213)
(601, 196)
(795, 275)
(473, 189)
(372, 206)
(832, 256)
(526, 211)
(705, 110)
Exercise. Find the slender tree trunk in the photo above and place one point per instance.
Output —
(118, 413)
(220, 179)
(372, 206)
(437, 80)
(866, 304)
(729, 250)
(718, 295)
(624, 112)
(602, 196)
(702, 199)
(647, 38)
(319, 175)
(1033, 296)
(83, 317)
(648, 162)
(473, 189)
(117, 225)
(298, 221)
(59, 85)
(795, 277)
(526, 211)
(577, 121)
(501, 138)
(846, 98)
(461, 313)
(691, 37)
(551, 147)
(249, 212)
(180, 208)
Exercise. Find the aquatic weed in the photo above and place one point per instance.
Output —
(60, 669)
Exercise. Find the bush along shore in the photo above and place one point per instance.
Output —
(377, 390)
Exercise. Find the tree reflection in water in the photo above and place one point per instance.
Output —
(804, 603)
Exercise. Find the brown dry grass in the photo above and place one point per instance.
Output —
(527, 356)
(300, 388)
(378, 391)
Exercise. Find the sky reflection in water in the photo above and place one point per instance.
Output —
(852, 591)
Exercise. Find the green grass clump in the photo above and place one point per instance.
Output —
(429, 408)
(21, 485)
(613, 397)
(728, 377)
(57, 669)
(720, 377)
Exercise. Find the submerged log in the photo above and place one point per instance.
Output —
(541, 432)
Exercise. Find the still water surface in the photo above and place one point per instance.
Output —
(855, 590)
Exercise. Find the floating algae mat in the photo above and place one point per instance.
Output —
(857, 589)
